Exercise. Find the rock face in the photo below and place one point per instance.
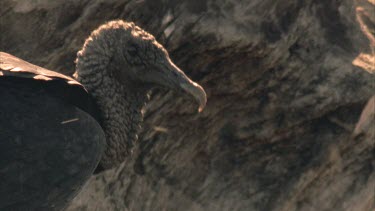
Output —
(283, 101)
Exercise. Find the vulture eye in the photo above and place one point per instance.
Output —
(132, 51)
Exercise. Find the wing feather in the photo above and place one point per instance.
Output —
(14, 66)
(56, 84)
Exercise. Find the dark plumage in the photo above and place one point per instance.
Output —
(54, 130)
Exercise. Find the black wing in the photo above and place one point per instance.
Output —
(49, 146)
(14, 66)
(56, 84)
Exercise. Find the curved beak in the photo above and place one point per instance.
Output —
(174, 78)
(196, 91)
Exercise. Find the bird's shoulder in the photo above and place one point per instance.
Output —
(13, 66)
(19, 73)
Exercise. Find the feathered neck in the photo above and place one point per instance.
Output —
(120, 103)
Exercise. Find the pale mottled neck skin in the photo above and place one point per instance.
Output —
(120, 104)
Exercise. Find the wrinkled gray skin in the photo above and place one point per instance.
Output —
(118, 65)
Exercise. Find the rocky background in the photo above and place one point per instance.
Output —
(286, 86)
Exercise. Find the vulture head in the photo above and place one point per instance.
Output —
(119, 64)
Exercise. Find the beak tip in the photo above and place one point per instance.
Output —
(197, 92)
(202, 99)
(200, 109)
(202, 105)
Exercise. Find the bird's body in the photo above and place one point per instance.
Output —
(49, 146)
(54, 130)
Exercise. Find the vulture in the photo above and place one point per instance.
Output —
(55, 130)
